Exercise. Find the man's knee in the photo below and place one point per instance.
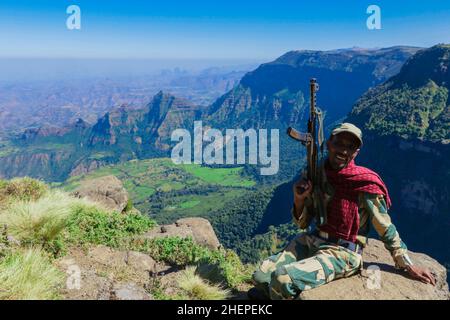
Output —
(265, 269)
(260, 277)
(269, 265)
(281, 285)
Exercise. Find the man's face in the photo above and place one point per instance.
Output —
(342, 148)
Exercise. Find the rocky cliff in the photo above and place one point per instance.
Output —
(379, 280)
(406, 128)
(279, 90)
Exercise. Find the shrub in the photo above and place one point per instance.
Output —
(200, 289)
(25, 189)
(129, 206)
(226, 266)
(90, 224)
(216, 265)
(3, 184)
(57, 220)
(173, 250)
(38, 222)
(28, 275)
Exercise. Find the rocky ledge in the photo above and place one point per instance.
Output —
(379, 280)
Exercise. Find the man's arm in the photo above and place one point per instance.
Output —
(381, 221)
(375, 205)
(301, 215)
(304, 217)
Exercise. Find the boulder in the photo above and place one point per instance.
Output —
(140, 262)
(202, 230)
(129, 291)
(121, 259)
(392, 285)
(199, 229)
(90, 285)
(104, 273)
(107, 256)
(108, 191)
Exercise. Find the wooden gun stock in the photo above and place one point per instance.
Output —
(299, 136)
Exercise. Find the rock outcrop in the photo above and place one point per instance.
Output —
(381, 281)
(199, 229)
(129, 291)
(108, 191)
(108, 274)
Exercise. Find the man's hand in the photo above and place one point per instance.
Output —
(302, 189)
(421, 274)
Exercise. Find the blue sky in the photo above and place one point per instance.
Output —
(215, 29)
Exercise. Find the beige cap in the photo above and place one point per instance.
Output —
(348, 127)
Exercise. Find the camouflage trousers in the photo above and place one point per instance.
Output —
(307, 262)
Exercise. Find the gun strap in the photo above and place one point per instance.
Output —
(320, 130)
(318, 194)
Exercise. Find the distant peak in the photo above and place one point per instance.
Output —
(80, 123)
(163, 94)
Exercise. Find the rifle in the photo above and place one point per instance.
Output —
(313, 140)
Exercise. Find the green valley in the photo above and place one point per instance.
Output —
(167, 191)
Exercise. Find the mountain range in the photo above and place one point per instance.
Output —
(398, 96)
(26, 103)
(275, 95)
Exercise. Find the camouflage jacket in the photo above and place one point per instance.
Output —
(372, 211)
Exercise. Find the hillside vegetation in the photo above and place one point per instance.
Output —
(166, 191)
(224, 196)
(414, 104)
(42, 225)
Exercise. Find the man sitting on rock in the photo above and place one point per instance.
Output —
(353, 197)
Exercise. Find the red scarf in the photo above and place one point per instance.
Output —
(342, 210)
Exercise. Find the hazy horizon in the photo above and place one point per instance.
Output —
(19, 69)
(46, 68)
(200, 29)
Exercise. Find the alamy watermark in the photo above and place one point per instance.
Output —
(374, 20)
(374, 277)
(73, 281)
(210, 146)
(73, 22)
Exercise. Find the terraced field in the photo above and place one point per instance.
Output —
(167, 191)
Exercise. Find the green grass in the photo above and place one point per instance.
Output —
(6, 151)
(7, 148)
(198, 288)
(173, 250)
(189, 204)
(38, 222)
(149, 170)
(28, 275)
(22, 189)
(183, 206)
(219, 266)
(145, 178)
(57, 220)
(101, 155)
(46, 227)
(141, 178)
(222, 176)
(51, 147)
(92, 225)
